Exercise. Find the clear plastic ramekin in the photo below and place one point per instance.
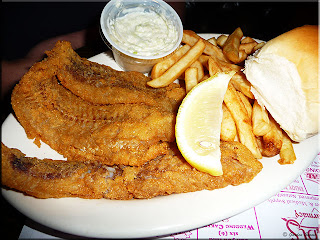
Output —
(126, 60)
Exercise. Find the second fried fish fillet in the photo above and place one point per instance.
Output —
(164, 175)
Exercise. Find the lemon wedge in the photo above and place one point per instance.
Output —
(198, 124)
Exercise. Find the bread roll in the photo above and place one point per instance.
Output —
(284, 78)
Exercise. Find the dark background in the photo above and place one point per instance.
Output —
(23, 25)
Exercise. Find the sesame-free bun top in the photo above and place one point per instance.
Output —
(284, 78)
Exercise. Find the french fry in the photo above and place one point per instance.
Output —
(227, 67)
(242, 56)
(203, 59)
(189, 37)
(197, 64)
(162, 66)
(248, 40)
(191, 78)
(287, 155)
(258, 46)
(221, 40)
(213, 66)
(246, 103)
(259, 142)
(242, 121)
(260, 120)
(179, 67)
(272, 140)
(228, 127)
(240, 82)
(231, 46)
(248, 47)
(213, 41)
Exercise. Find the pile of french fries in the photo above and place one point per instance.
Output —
(244, 119)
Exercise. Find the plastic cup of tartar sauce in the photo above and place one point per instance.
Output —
(140, 33)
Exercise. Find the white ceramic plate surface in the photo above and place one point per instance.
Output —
(153, 217)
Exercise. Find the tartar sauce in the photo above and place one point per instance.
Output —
(144, 33)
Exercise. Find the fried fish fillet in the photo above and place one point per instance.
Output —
(128, 133)
(103, 85)
(163, 175)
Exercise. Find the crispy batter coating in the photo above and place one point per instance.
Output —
(128, 133)
(101, 84)
(164, 175)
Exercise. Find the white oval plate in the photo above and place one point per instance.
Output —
(151, 217)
